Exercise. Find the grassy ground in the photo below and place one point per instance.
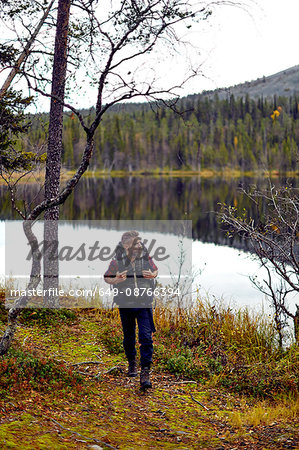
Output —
(50, 403)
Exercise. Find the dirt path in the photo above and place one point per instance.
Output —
(112, 412)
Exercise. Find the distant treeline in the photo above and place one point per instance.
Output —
(237, 133)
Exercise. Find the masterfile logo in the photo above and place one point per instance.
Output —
(68, 259)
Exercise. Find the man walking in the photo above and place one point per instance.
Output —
(132, 271)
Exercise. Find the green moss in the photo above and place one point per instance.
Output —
(47, 317)
(28, 433)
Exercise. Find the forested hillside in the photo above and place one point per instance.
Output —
(237, 133)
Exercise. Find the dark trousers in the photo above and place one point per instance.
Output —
(144, 318)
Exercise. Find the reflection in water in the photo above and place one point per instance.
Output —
(149, 198)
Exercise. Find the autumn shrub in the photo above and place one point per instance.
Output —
(22, 370)
(237, 348)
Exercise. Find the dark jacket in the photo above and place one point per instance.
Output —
(135, 291)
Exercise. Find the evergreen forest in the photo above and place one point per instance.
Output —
(206, 133)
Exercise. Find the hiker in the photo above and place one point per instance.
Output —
(132, 274)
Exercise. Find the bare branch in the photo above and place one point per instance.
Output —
(25, 52)
(275, 243)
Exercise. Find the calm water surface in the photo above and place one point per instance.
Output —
(224, 263)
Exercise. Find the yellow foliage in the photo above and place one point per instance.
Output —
(275, 228)
(276, 114)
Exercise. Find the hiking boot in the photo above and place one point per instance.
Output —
(132, 370)
(145, 382)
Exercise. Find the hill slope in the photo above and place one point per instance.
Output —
(284, 83)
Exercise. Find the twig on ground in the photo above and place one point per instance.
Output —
(60, 360)
(25, 339)
(82, 436)
(84, 373)
(87, 362)
(112, 369)
(196, 401)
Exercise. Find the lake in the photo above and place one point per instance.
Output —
(224, 263)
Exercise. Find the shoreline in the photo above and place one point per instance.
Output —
(38, 177)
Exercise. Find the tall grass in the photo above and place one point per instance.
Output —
(265, 414)
(234, 348)
(235, 332)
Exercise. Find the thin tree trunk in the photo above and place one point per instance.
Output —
(198, 157)
(53, 164)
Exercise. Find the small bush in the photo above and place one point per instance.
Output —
(20, 370)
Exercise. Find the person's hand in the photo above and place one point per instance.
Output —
(120, 276)
(149, 274)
